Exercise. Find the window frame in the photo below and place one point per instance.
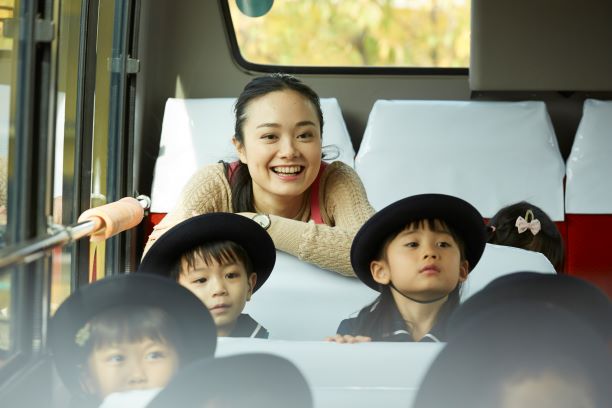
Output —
(318, 70)
(27, 202)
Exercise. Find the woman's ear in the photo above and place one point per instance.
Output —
(240, 149)
(380, 272)
(464, 269)
(251, 280)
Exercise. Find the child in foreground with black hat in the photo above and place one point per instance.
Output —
(116, 336)
(223, 259)
(416, 252)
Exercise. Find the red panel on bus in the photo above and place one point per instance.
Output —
(588, 253)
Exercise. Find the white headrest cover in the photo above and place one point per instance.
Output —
(589, 165)
(345, 375)
(196, 132)
(492, 154)
(303, 302)
(498, 260)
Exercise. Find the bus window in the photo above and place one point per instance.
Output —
(5, 301)
(65, 139)
(6, 55)
(7, 79)
(363, 33)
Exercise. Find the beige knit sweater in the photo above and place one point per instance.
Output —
(344, 209)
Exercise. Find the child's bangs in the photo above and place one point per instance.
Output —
(131, 324)
(222, 253)
(432, 224)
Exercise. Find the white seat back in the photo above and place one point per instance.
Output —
(196, 132)
(491, 154)
(314, 301)
(498, 260)
(589, 165)
(300, 301)
(350, 375)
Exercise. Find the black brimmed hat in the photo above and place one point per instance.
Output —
(167, 251)
(459, 215)
(573, 294)
(237, 381)
(512, 342)
(195, 326)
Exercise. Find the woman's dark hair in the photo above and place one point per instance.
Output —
(240, 178)
(376, 321)
(221, 252)
(548, 241)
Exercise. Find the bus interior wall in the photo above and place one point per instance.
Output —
(196, 62)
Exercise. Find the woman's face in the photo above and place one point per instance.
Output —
(282, 144)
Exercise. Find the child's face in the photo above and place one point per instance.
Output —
(421, 262)
(130, 366)
(224, 289)
(548, 389)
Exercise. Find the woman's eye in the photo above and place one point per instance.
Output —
(268, 137)
(306, 135)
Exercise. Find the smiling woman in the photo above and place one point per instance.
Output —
(311, 209)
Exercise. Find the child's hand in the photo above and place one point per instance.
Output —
(339, 338)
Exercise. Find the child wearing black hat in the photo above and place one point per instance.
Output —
(223, 258)
(115, 336)
(521, 353)
(416, 252)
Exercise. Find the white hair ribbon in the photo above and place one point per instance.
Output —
(523, 225)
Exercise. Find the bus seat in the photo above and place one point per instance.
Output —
(336, 374)
(588, 196)
(313, 300)
(196, 132)
(491, 154)
(498, 260)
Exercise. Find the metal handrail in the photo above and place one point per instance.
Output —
(31, 250)
(36, 248)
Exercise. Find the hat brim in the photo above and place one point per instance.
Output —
(237, 381)
(167, 251)
(510, 341)
(573, 294)
(461, 216)
(193, 321)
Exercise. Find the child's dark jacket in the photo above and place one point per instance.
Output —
(246, 326)
(395, 330)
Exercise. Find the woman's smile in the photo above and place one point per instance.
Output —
(281, 147)
(288, 173)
